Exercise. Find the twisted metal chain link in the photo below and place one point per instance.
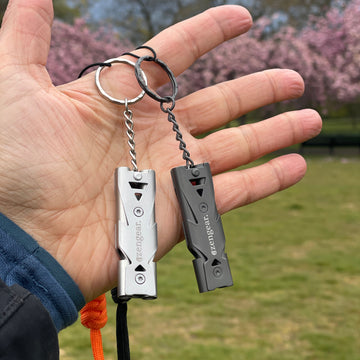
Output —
(129, 123)
(179, 137)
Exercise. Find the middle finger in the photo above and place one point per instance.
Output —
(210, 108)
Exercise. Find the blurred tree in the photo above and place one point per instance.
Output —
(326, 53)
(294, 12)
(65, 12)
(139, 20)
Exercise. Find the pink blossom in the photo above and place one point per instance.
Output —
(73, 47)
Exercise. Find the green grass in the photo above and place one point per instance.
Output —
(295, 259)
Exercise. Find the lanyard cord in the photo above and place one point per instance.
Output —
(94, 317)
(122, 334)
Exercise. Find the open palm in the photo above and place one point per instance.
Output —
(59, 146)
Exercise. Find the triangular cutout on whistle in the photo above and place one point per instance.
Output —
(140, 268)
(216, 262)
(200, 191)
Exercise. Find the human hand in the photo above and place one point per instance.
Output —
(59, 146)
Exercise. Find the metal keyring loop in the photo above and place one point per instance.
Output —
(109, 97)
(143, 83)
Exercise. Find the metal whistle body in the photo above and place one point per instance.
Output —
(202, 226)
(136, 233)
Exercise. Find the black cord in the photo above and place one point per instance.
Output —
(122, 334)
(126, 53)
(92, 65)
(152, 58)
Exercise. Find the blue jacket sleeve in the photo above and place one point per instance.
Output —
(25, 263)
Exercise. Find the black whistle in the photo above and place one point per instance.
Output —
(202, 226)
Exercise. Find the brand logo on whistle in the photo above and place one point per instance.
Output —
(210, 234)
(139, 241)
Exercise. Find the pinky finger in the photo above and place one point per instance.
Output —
(238, 188)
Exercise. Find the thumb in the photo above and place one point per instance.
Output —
(26, 32)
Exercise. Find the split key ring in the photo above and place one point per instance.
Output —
(111, 98)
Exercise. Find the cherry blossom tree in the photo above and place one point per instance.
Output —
(336, 37)
(326, 53)
(73, 47)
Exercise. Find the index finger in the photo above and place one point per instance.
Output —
(181, 44)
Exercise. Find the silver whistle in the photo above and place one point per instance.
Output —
(136, 233)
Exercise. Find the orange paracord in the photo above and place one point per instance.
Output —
(94, 317)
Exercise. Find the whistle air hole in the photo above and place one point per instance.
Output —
(199, 181)
(137, 185)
